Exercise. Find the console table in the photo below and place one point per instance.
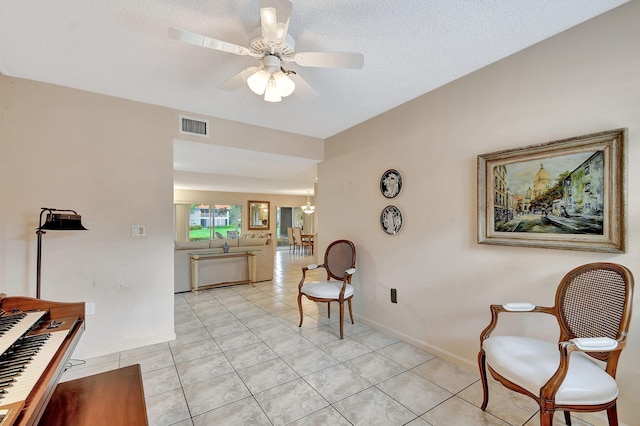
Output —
(219, 254)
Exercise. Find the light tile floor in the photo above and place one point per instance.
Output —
(240, 359)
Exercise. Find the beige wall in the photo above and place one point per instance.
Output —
(112, 161)
(4, 178)
(244, 136)
(582, 81)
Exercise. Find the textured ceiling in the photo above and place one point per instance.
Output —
(121, 48)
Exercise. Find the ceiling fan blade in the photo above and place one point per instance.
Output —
(208, 42)
(274, 19)
(238, 80)
(303, 89)
(329, 59)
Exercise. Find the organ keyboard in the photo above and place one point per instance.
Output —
(37, 338)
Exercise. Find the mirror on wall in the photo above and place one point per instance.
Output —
(258, 215)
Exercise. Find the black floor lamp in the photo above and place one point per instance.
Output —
(56, 220)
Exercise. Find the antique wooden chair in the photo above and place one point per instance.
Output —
(593, 310)
(339, 262)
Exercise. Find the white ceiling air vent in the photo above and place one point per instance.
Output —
(193, 126)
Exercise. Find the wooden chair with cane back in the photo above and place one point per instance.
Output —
(339, 263)
(593, 309)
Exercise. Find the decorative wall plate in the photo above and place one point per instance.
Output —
(391, 220)
(391, 183)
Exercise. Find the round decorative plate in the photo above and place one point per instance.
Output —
(391, 183)
(391, 220)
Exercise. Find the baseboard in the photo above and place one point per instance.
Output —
(448, 356)
(126, 345)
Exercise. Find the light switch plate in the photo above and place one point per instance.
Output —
(137, 231)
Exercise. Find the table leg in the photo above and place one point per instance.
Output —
(251, 262)
(195, 270)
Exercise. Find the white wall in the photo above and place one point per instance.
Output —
(112, 161)
(582, 81)
(4, 178)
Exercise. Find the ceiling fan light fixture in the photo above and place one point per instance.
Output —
(273, 46)
(285, 85)
(258, 82)
(271, 92)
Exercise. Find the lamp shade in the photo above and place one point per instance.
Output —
(63, 222)
(272, 80)
(258, 82)
(285, 85)
(271, 94)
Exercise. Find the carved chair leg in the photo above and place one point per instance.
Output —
(483, 379)
(341, 320)
(612, 415)
(567, 418)
(300, 308)
(351, 312)
(328, 309)
(546, 418)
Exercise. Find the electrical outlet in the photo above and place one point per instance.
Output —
(89, 308)
(394, 295)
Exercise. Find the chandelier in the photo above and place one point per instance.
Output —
(272, 81)
(308, 208)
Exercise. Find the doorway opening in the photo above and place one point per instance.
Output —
(289, 217)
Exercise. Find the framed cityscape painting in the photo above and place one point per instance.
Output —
(568, 194)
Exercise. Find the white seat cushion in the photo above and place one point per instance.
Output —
(326, 289)
(530, 363)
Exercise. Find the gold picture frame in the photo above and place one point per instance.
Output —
(258, 213)
(568, 194)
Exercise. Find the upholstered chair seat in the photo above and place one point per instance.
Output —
(326, 289)
(530, 363)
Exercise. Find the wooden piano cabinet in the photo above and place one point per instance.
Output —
(43, 387)
(112, 398)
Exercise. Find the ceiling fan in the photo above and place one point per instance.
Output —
(274, 48)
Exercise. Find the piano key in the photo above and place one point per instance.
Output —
(11, 373)
(20, 329)
(7, 371)
(32, 372)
